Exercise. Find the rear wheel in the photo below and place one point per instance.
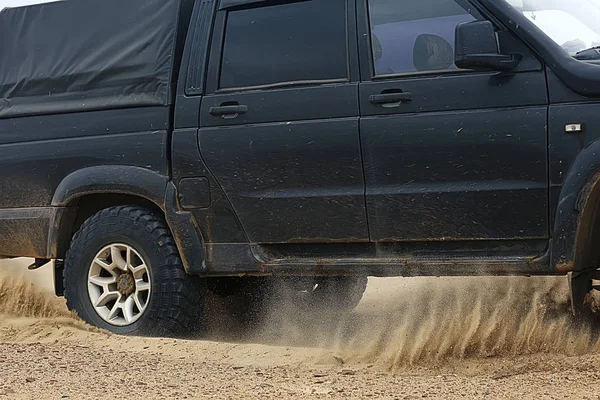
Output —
(123, 273)
(584, 287)
(248, 301)
(330, 294)
(239, 304)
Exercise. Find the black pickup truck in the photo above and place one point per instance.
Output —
(157, 149)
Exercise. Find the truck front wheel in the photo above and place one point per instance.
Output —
(123, 273)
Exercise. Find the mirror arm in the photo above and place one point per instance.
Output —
(498, 62)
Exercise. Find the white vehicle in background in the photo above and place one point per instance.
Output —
(572, 24)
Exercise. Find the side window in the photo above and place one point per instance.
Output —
(293, 42)
(411, 36)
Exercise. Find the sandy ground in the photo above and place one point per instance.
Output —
(410, 338)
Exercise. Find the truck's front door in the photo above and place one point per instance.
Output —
(279, 123)
(449, 154)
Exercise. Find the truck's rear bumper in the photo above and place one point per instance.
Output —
(29, 232)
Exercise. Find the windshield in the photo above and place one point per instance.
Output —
(573, 24)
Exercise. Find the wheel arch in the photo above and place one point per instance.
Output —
(83, 207)
(577, 223)
(90, 190)
(114, 179)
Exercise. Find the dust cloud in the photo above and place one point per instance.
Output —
(401, 322)
(21, 295)
(412, 321)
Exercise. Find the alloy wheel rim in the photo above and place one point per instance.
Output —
(119, 285)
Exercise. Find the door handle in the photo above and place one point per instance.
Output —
(228, 111)
(386, 98)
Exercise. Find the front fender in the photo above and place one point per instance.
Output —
(579, 197)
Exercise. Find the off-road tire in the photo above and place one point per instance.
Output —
(249, 301)
(332, 294)
(176, 301)
(242, 303)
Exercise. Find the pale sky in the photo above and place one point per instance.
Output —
(15, 3)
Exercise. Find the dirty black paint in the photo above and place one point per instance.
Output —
(297, 180)
(194, 193)
(37, 153)
(465, 159)
(217, 223)
(574, 169)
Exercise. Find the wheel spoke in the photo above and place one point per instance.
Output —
(115, 310)
(142, 286)
(117, 258)
(104, 265)
(128, 309)
(102, 281)
(128, 259)
(139, 271)
(138, 302)
(105, 298)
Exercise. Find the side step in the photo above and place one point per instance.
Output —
(381, 259)
(408, 259)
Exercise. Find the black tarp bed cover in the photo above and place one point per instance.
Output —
(86, 55)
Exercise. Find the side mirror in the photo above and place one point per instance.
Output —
(476, 47)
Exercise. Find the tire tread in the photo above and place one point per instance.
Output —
(180, 297)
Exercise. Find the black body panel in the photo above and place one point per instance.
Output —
(567, 107)
(462, 157)
(293, 181)
(225, 245)
(49, 150)
(79, 125)
(53, 160)
(460, 175)
(290, 162)
(574, 173)
(459, 92)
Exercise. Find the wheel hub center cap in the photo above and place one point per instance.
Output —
(126, 284)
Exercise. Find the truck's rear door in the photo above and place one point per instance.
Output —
(279, 121)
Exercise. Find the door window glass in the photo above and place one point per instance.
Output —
(294, 42)
(411, 36)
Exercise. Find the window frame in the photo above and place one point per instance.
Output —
(218, 43)
(367, 61)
